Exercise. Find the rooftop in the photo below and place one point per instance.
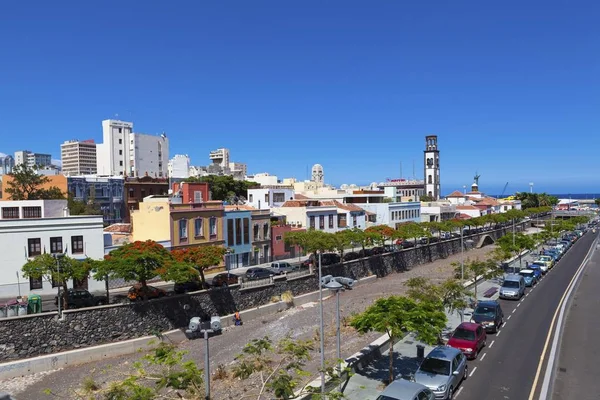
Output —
(118, 228)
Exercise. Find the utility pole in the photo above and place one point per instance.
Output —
(322, 328)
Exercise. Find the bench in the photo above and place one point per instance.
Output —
(490, 292)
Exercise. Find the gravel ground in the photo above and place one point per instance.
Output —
(299, 322)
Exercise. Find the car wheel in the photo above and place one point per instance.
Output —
(450, 393)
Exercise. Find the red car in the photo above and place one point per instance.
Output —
(469, 338)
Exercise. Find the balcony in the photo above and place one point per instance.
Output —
(207, 205)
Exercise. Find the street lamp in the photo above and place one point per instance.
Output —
(206, 328)
(336, 288)
(321, 333)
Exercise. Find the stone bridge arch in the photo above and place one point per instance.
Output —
(485, 240)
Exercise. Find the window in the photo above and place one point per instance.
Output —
(230, 233)
(56, 245)
(76, 244)
(267, 198)
(330, 221)
(238, 231)
(198, 232)
(354, 221)
(246, 230)
(197, 196)
(278, 197)
(183, 230)
(429, 180)
(312, 221)
(131, 193)
(120, 140)
(213, 227)
(278, 238)
(250, 198)
(121, 163)
(342, 223)
(35, 283)
(10, 213)
(32, 212)
(120, 152)
(266, 231)
(120, 131)
(34, 246)
(321, 222)
(256, 233)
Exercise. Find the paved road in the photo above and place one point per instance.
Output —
(507, 367)
(576, 370)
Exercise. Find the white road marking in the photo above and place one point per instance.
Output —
(483, 356)
(508, 317)
(518, 304)
(457, 393)
(527, 294)
(513, 311)
(498, 333)
(472, 372)
(491, 344)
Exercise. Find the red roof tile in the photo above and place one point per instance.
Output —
(466, 207)
(347, 206)
(299, 196)
(456, 193)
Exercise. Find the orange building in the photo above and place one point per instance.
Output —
(60, 181)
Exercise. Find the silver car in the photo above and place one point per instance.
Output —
(442, 371)
(402, 389)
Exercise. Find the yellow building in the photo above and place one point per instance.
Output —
(161, 218)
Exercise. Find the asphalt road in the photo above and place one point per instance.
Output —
(576, 369)
(506, 368)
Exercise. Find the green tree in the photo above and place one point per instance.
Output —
(398, 315)
(516, 243)
(194, 260)
(427, 199)
(477, 269)
(224, 187)
(343, 239)
(27, 184)
(137, 261)
(297, 238)
(450, 293)
(59, 270)
(79, 207)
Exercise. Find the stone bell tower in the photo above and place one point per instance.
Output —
(432, 167)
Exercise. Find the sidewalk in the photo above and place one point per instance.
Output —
(367, 384)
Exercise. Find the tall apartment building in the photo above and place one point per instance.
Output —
(220, 157)
(125, 153)
(32, 159)
(238, 168)
(179, 166)
(7, 163)
(78, 157)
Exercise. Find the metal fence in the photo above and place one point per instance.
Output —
(246, 284)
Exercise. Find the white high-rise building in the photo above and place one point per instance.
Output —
(78, 157)
(32, 159)
(179, 166)
(124, 152)
(238, 168)
(220, 157)
(7, 163)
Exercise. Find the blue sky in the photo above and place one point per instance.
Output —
(512, 90)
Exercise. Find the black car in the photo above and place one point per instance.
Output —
(326, 259)
(77, 298)
(224, 279)
(488, 314)
(191, 286)
(258, 273)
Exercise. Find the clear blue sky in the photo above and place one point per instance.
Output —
(511, 89)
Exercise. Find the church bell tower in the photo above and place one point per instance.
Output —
(432, 167)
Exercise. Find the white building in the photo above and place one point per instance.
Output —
(432, 167)
(7, 163)
(392, 214)
(220, 157)
(238, 168)
(264, 178)
(437, 211)
(78, 157)
(123, 152)
(32, 159)
(31, 227)
(264, 198)
(179, 166)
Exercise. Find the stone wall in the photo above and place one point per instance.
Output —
(29, 336)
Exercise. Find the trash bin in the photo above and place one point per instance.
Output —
(420, 351)
(34, 306)
(22, 308)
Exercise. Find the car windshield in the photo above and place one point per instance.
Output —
(435, 366)
(464, 334)
(511, 284)
(485, 311)
(527, 274)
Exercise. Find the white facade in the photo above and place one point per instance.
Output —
(123, 152)
(469, 210)
(264, 179)
(265, 198)
(78, 157)
(23, 238)
(238, 168)
(7, 163)
(437, 211)
(179, 166)
(392, 214)
(432, 167)
(220, 157)
(32, 159)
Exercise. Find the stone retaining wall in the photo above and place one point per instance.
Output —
(22, 337)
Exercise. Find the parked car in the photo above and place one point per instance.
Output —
(281, 267)
(351, 256)
(537, 270)
(258, 273)
(488, 314)
(139, 292)
(442, 371)
(407, 244)
(326, 259)
(365, 253)
(77, 298)
(401, 389)
(469, 338)
(224, 279)
(513, 287)
(547, 260)
(529, 276)
(191, 286)
(377, 250)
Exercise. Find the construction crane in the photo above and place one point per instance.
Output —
(504, 190)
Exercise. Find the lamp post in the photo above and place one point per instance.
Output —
(321, 333)
(336, 288)
(206, 363)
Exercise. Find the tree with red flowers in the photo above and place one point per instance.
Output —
(137, 261)
(200, 258)
(384, 231)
